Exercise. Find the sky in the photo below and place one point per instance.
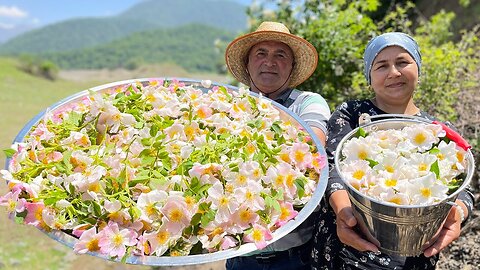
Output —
(18, 16)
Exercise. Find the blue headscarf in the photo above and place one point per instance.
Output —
(377, 44)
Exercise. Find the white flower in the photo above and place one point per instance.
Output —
(359, 149)
(206, 83)
(420, 137)
(412, 165)
(426, 190)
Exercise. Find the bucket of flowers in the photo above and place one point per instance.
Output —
(403, 174)
(164, 172)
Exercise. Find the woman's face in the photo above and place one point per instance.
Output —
(394, 76)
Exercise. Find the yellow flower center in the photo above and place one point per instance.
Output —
(359, 174)
(150, 209)
(245, 215)
(419, 138)
(285, 157)
(285, 213)
(92, 245)
(289, 181)
(279, 180)
(257, 235)
(175, 215)
(162, 237)
(460, 157)
(391, 182)
(257, 173)
(422, 167)
(117, 240)
(223, 201)
(395, 200)
(362, 154)
(426, 192)
(250, 148)
(299, 156)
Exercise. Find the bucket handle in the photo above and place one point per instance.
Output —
(365, 118)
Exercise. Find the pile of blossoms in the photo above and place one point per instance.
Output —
(161, 168)
(416, 165)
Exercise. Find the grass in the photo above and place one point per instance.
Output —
(22, 97)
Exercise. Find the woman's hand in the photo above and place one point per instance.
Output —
(450, 231)
(346, 223)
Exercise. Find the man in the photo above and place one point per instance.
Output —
(271, 61)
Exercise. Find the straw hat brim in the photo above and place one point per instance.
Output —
(306, 57)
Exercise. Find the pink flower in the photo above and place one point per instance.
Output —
(286, 213)
(259, 235)
(176, 214)
(88, 242)
(204, 111)
(318, 162)
(113, 241)
(156, 82)
(228, 242)
(13, 203)
(42, 132)
(143, 247)
(34, 214)
(300, 154)
(244, 217)
(79, 229)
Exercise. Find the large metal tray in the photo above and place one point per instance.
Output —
(70, 241)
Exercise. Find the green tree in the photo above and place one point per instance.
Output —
(340, 30)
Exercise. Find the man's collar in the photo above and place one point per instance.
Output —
(284, 96)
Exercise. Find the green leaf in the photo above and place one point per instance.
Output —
(74, 118)
(300, 184)
(435, 168)
(371, 162)
(135, 213)
(271, 202)
(9, 152)
(208, 217)
(196, 219)
(97, 209)
(154, 130)
(276, 128)
(18, 220)
(360, 133)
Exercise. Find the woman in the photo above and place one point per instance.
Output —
(392, 67)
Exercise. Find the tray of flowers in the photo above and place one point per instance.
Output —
(164, 172)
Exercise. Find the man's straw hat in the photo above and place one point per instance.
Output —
(305, 54)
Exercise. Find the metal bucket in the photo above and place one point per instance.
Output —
(399, 230)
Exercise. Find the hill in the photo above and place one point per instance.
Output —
(191, 47)
(146, 15)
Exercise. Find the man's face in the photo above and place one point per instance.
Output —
(269, 66)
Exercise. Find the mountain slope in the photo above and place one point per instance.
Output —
(146, 15)
(190, 46)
